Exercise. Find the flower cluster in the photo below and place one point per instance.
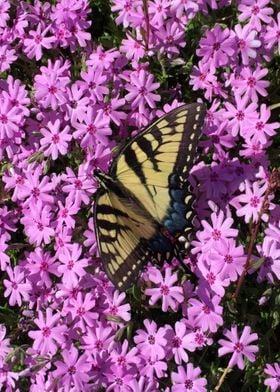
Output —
(68, 95)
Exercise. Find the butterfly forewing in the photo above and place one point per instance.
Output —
(155, 206)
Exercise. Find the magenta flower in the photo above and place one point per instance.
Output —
(33, 46)
(140, 90)
(4, 14)
(72, 268)
(40, 265)
(180, 341)
(7, 57)
(36, 221)
(272, 35)
(250, 83)
(10, 118)
(253, 199)
(77, 103)
(16, 287)
(272, 382)
(4, 343)
(82, 310)
(55, 141)
(116, 308)
(257, 13)
(152, 368)
(4, 258)
(80, 187)
(143, 384)
(246, 42)
(171, 37)
(50, 336)
(34, 190)
(207, 314)
(64, 215)
(216, 47)
(73, 371)
(240, 347)
(98, 338)
(241, 115)
(93, 83)
(187, 379)
(153, 342)
(122, 356)
(270, 251)
(170, 295)
(132, 48)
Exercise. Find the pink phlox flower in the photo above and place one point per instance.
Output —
(15, 91)
(133, 48)
(90, 240)
(10, 117)
(7, 57)
(179, 341)
(270, 251)
(64, 215)
(93, 129)
(257, 13)
(272, 35)
(273, 231)
(40, 265)
(247, 42)
(4, 343)
(37, 223)
(152, 367)
(73, 371)
(216, 47)
(187, 379)
(80, 187)
(4, 258)
(77, 103)
(143, 384)
(152, 342)
(140, 91)
(240, 115)
(227, 259)
(203, 78)
(212, 235)
(115, 308)
(171, 37)
(55, 140)
(4, 14)
(101, 58)
(72, 268)
(240, 347)
(272, 382)
(170, 294)
(158, 12)
(206, 312)
(36, 41)
(94, 81)
(83, 310)
(98, 338)
(251, 84)
(110, 109)
(189, 7)
(259, 129)
(125, 9)
(8, 378)
(34, 190)
(119, 380)
(252, 200)
(51, 335)
(63, 241)
(50, 85)
(123, 356)
(211, 279)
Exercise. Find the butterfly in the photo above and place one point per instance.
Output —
(144, 203)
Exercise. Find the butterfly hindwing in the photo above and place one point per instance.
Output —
(148, 203)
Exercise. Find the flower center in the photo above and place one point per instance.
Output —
(55, 138)
(189, 384)
(241, 43)
(254, 202)
(3, 119)
(14, 285)
(91, 129)
(72, 370)
(216, 234)
(216, 46)
(240, 115)
(211, 280)
(238, 347)
(70, 265)
(251, 82)
(35, 192)
(176, 341)
(206, 309)
(64, 213)
(38, 39)
(259, 125)
(151, 339)
(44, 266)
(81, 311)
(114, 310)
(78, 184)
(255, 10)
(52, 89)
(46, 332)
(121, 360)
(199, 339)
(228, 259)
(164, 289)
(98, 344)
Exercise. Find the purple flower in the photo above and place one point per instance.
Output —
(257, 13)
(253, 199)
(246, 42)
(272, 382)
(40, 265)
(93, 83)
(72, 268)
(81, 309)
(187, 379)
(140, 90)
(207, 314)
(33, 190)
(180, 341)
(4, 343)
(4, 258)
(270, 251)
(216, 47)
(55, 141)
(7, 57)
(152, 368)
(10, 118)
(272, 35)
(16, 286)
(50, 335)
(171, 36)
(116, 308)
(153, 342)
(38, 40)
(73, 371)
(98, 338)
(170, 295)
(250, 83)
(4, 14)
(240, 347)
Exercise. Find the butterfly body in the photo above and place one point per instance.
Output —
(144, 204)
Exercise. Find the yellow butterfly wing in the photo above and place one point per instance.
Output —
(148, 204)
